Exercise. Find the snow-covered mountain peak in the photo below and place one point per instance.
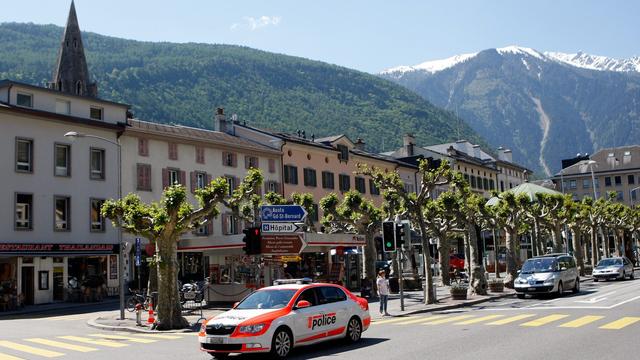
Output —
(520, 50)
(596, 62)
(432, 66)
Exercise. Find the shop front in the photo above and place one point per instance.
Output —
(32, 274)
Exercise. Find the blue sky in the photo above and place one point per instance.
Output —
(364, 35)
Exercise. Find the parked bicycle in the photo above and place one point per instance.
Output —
(136, 298)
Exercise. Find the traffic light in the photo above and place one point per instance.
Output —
(403, 234)
(252, 239)
(388, 236)
(399, 236)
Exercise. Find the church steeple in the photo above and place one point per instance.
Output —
(71, 74)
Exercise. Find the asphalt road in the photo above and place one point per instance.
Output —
(602, 322)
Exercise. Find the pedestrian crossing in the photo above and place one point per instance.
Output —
(526, 320)
(62, 345)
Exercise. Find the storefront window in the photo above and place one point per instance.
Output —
(8, 284)
(87, 278)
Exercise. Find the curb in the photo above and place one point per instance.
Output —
(94, 324)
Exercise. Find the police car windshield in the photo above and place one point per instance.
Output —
(267, 299)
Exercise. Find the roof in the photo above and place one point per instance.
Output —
(330, 139)
(462, 146)
(191, 133)
(7, 82)
(62, 117)
(528, 189)
(382, 157)
(606, 160)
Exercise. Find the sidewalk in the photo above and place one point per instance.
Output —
(109, 303)
(112, 322)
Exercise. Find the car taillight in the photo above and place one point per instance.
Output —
(364, 304)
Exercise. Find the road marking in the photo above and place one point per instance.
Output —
(30, 349)
(390, 320)
(477, 320)
(619, 324)
(157, 336)
(545, 320)
(511, 319)
(9, 357)
(107, 343)
(596, 298)
(61, 345)
(581, 321)
(122, 337)
(420, 319)
(448, 320)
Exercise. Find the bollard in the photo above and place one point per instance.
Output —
(139, 314)
(151, 319)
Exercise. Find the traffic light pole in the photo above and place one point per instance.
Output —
(400, 280)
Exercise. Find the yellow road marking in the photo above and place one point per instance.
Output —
(511, 319)
(448, 319)
(8, 357)
(30, 349)
(388, 321)
(107, 343)
(61, 345)
(544, 320)
(619, 324)
(121, 337)
(158, 336)
(420, 319)
(581, 321)
(477, 320)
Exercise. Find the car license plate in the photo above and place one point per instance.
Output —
(531, 289)
(215, 340)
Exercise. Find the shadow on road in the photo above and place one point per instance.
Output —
(329, 348)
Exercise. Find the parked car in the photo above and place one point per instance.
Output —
(618, 267)
(551, 273)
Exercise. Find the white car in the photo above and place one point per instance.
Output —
(277, 318)
(613, 268)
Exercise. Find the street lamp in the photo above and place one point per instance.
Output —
(593, 178)
(74, 135)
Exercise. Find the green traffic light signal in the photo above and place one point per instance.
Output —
(388, 236)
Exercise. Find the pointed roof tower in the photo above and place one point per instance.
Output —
(71, 74)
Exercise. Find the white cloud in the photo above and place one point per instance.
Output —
(252, 23)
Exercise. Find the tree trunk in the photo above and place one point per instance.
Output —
(594, 247)
(429, 294)
(169, 308)
(152, 284)
(477, 280)
(585, 248)
(369, 261)
(534, 239)
(496, 248)
(512, 237)
(577, 250)
(605, 241)
(557, 239)
(443, 265)
(467, 264)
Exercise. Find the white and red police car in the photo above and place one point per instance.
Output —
(277, 318)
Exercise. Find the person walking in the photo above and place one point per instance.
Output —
(383, 292)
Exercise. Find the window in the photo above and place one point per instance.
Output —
(174, 176)
(630, 179)
(373, 189)
(199, 155)
(95, 113)
(330, 294)
(231, 182)
(271, 186)
(344, 182)
(63, 107)
(24, 155)
(24, 215)
(62, 209)
(62, 154)
(492, 184)
(291, 174)
(360, 185)
(485, 183)
(501, 186)
(308, 295)
(201, 180)
(97, 164)
(328, 180)
(272, 166)
(586, 183)
(229, 159)
(143, 176)
(230, 223)
(619, 196)
(314, 213)
(310, 178)
(607, 181)
(143, 147)
(97, 221)
(473, 181)
(572, 184)
(173, 151)
(251, 162)
(344, 153)
(618, 180)
(634, 195)
(25, 100)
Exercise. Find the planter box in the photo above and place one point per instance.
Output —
(459, 295)
(496, 287)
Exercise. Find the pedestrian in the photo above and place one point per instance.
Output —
(383, 292)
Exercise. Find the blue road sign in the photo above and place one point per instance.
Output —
(138, 252)
(282, 213)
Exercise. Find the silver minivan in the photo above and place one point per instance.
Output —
(551, 273)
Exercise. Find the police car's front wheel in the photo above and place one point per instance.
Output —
(354, 330)
(281, 344)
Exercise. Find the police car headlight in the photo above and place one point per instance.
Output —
(251, 329)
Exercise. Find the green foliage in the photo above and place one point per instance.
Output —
(353, 214)
(183, 83)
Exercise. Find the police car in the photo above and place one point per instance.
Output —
(291, 313)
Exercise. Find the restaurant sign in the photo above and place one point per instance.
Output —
(57, 249)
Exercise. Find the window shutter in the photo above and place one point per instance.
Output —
(183, 178)
(237, 221)
(224, 158)
(236, 182)
(140, 176)
(234, 161)
(192, 176)
(247, 161)
(210, 227)
(257, 165)
(208, 179)
(143, 147)
(225, 224)
(276, 185)
(165, 178)
(272, 165)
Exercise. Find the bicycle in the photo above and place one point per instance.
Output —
(137, 298)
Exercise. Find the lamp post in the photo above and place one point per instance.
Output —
(75, 135)
(593, 178)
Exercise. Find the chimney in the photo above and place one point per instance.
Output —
(359, 144)
(460, 145)
(451, 151)
(221, 121)
(507, 155)
(477, 152)
(408, 142)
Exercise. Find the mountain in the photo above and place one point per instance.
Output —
(545, 106)
(184, 83)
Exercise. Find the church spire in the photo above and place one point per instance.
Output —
(71, 74)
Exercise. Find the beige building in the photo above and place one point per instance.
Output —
(614, 169)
